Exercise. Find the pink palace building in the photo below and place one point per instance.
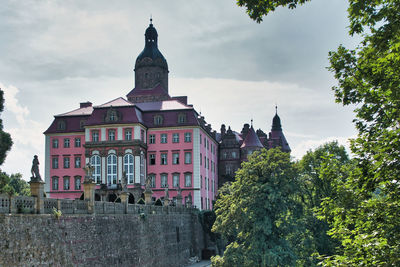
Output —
(148, 133)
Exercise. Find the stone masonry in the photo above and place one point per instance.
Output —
(99, 240)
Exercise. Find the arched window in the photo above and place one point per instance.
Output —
(181, 118)
(96, 164)
(158, 120)
(112, 169)
(128, 167)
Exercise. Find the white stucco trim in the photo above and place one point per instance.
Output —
(47, 163)
(87, 135)
(103, 134)
(137, 169)
(103, 170)
(196, 167)
(119, 177)
(119, 133)
(136, 132)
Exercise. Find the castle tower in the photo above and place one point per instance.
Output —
(151, 71)
(276, 136)
(250, 144)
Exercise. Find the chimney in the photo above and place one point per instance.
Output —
(85, 104)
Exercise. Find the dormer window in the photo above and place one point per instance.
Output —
(158, 120)
(61, 125)
(181, 118)
(112, 115)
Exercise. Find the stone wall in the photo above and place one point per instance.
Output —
(147, 239)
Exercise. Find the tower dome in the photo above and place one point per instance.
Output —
(276, 122)
(151, 68)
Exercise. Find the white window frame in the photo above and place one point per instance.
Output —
(128, 168)
(188, 157)
(95, 161)
(163, 180)
(175, 138)
(175, 158)
(188, 180)
(164, 138)
(175, 180)
(164, 159)
(188, 137)
(112, 169)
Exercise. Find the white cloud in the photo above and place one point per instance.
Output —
(26, 134)
(300, 149)
(12, 104)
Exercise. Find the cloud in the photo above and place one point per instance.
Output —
(26, 134)
(300, 149)
(12, 104)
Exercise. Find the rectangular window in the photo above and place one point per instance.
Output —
(164, 180)
(175, 158)
(55, 143)
(188, 180)
(175, 180)
(77, 183)
(201, 181)
(200, 138)
(55, 183)
(152, 139)
(95, 136)
(55, 163)
(128, 134)
(163, 138)
(66, 162)
(163, 158)
(142, 135)
(152, 180)
(205, 142)
(201, 159)
(66, 183)
(78, 142)
(77, 162)
(152, 159)
(234, 154)
(188, 137)
(111, 135)
(188, 157)
(205, 162)
(175, 138)
(208, 164)
(66, 142)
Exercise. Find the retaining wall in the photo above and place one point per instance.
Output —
(160, 237)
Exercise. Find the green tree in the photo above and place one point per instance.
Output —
(5, 138)
(13, 185)
(319, 170)
(363, 213)
(257, 214)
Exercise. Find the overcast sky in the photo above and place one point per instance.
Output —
(56, 54)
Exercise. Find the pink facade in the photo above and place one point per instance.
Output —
(149, 134)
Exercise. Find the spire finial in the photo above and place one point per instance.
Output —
(276, 109)
(151, 19)
(251, 122)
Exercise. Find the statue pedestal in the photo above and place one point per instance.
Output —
(124, 196)
(147, 196)
(37, 190)
(166, 201)
(88, 191)
(179, 201)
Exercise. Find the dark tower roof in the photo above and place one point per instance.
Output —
(251, 139)
(151, 50)
(276, 121)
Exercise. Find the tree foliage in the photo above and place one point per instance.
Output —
(5, 138)
(257, 214)
(319, 170)
(13, 185)
(363, 211)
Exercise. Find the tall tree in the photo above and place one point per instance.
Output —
(363, 215)
(257, 214)
(5, 138)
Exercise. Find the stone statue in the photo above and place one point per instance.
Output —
(124, 181)
(166, 192)
(89, 172)
(148, 183)
(35, 169)
(179, 191)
